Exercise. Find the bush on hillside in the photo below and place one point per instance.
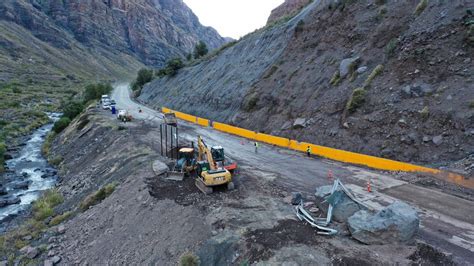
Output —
(72, 109)
(97, 197)
(356, 100)
(200, 50)
(95, 91)
(61, 124)
(172, 67)
(143, 77)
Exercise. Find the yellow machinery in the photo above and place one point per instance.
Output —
(209, 174)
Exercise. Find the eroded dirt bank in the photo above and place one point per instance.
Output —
(252, 224)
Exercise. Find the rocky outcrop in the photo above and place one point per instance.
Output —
(151, 30)
(288, 8)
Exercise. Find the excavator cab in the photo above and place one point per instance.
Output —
(218, 153)
(186, 161)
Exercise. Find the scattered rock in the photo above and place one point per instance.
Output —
(397, 223)
(426, 139)
(347, 65)
(361, 70)
(21, 185)
(51, 253)
(449, 98)
(56, 259)
(417, 90)
(3, 191)
(299, 123)
(296, 198)
(3, 263)
(61, 229)
(37, 170)
(345, 125)
(30, 252)
(438, 140)
(27, 238)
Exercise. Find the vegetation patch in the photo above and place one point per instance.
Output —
(425, 113)
(60, 218)
(377, 71)
(189, 259)
(61, 124)
(43, 207)
(97, 197)
(45, 148)
(172, 68)
(390, 47)
(336, 78)
(421, 7)
(356, 100)
(471, 104)
(56, 160)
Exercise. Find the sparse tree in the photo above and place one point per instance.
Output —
(200, 50)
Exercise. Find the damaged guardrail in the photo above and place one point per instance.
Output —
(334, 199)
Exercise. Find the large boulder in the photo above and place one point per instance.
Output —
(343, 206)
(397, 223)
(347, 66)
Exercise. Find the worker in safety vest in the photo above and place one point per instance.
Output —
(309, 151)
(256, 147)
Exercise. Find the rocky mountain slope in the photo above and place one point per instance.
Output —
(109, 39)
(384, 78)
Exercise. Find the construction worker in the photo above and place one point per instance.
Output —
(256, 147)
(309, 151)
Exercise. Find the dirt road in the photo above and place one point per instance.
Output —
(446, 220)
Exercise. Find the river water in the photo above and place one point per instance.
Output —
(30, 173)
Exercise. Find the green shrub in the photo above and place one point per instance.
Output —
(97, 197)
(200, 50)
(61, 124)
(336, 78)
(390, 47)
(356, 100)
(60, 218)
(73, 109)
(272, 71)
(421, 7)
(425, 113)
(56, 160)
(188, 259)
(377, 71)
(95, 91)
(47, 143)
(43, 207)
(16, 90)
(471, 104)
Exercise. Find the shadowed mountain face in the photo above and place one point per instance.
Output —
(108, 36)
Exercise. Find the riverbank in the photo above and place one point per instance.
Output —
(27, 174)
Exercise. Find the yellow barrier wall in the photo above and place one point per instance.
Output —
(330, 153)
(202, 122)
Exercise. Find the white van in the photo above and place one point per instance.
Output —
(104, 98)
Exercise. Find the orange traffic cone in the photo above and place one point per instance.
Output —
(369, 188)
(330, 175)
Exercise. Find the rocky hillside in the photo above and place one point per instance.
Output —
(288, 8)
(384, 78)
(57, 38)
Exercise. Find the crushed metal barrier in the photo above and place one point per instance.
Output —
(322, 223)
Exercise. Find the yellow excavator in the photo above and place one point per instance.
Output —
(209, 174)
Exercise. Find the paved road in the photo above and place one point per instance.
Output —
(446, 221)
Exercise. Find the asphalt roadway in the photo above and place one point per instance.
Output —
(446, 221)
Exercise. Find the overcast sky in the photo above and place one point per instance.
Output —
(233, 18)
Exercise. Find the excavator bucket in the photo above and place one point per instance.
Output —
(175, 176)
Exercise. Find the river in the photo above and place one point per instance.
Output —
(29, 174)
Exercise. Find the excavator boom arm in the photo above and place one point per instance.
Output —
(205, 152)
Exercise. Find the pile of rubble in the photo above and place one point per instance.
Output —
(396, 223)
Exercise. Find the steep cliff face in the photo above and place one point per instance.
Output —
(411, 66)
(151, 30)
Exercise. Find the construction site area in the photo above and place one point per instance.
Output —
(261, 205)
